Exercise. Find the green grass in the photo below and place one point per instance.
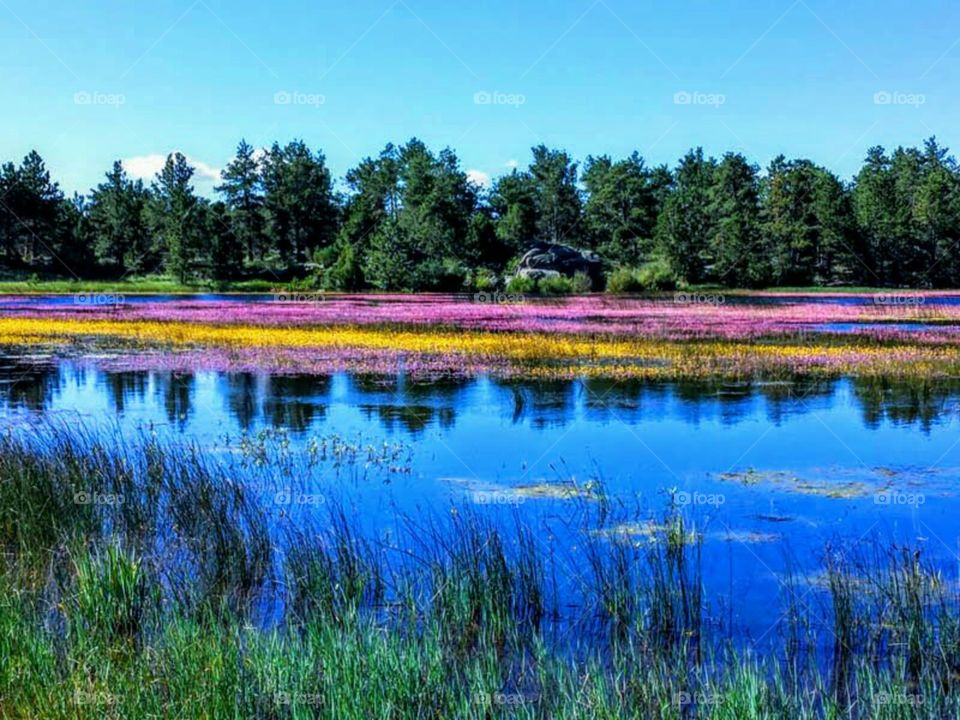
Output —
(185, 601)
(807, 290)
(132, 286)
(168, 285)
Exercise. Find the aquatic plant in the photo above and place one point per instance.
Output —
(425, 350)
(682, 316)
(144, 609)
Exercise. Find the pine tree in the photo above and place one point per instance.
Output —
(514, 207)
(300, 205)
(685, 226)
(620, 215)
(937, 217)
(118, 224)
(874, 203)
(31, 214)
(175, 217)
(242, 189)
(556, 196)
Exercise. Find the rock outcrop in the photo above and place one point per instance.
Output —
(545, 260)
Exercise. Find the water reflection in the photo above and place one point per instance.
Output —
(120, 387)
(299, 402)
(175, 392)
(241, 393)
(295, 402)
(412, 418)
(28, 384)
(547, 404)
(922, 402)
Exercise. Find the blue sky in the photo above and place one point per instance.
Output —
(85, 83)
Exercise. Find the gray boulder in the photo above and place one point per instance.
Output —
(536, 273)
(545, 260)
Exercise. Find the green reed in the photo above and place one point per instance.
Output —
(183, 600)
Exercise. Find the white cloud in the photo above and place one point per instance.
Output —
(144, 166)
(204, 171)
(512, 164)
(478, 177)
(147, 166)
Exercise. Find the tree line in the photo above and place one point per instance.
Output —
(412, 219)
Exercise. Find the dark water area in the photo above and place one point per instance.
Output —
(770, 474)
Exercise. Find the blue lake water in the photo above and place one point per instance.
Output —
(770, 473)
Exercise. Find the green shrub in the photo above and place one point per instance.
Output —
(556, 286)
(657, 275)
(624, 280)
(582, 283)
(653, 275)
(482, 280)
(346, 273)
(447, 275)
(521, 285)
(305, 284)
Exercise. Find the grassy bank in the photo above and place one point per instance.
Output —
(816, 290)
(168, 285)
(132, 286)
(140, 579)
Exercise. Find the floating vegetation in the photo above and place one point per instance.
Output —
(557, 491)
(648, 529)
(643, 532)
(273, 447)
(750, 537)
(493, 494)
(819, 487)
(773, 518)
